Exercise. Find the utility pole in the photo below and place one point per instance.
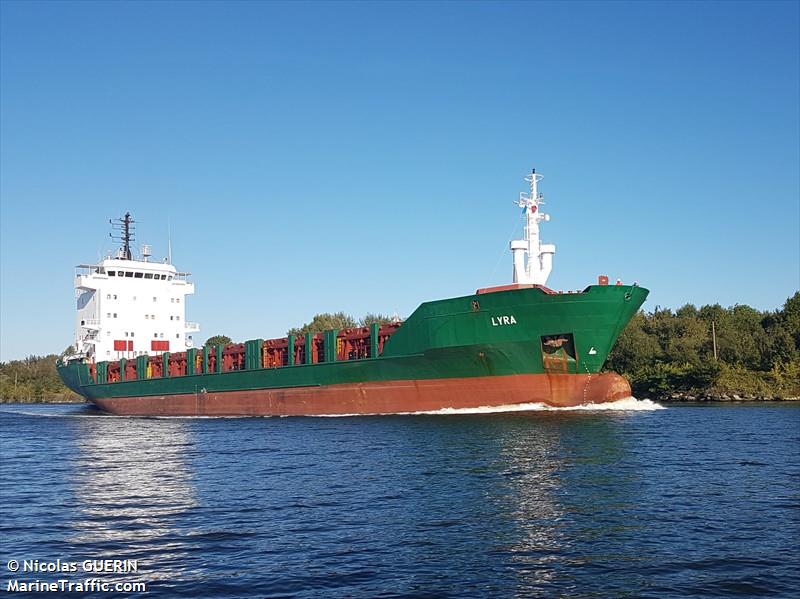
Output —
(714, 339)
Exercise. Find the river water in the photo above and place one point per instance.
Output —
(635, 501)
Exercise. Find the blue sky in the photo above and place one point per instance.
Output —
(365, 156)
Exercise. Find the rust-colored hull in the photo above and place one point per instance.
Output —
(386, 397)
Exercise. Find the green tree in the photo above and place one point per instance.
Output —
(790, 318)
(687, 311)
(217, 340)
(370, 318)
(324, 322)
(635, 348)
(740, 337)
(33, 379)
(780, 348)
(682, 336)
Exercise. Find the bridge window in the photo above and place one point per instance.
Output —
(139, 275)
(148, 275)
(128, 274)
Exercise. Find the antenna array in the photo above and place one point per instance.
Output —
(123, 232)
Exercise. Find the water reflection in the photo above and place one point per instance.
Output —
(532, 458)
(555, 471)
(133, 484)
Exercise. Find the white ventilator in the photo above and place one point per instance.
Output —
(533, 260)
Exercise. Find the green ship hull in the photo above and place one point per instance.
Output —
(506, 346)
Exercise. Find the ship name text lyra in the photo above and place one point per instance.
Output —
(499, 321)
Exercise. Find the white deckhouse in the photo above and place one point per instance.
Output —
(131, 307)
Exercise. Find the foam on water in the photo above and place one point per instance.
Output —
(75, 411)
(627, 404)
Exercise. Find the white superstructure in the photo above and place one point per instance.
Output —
(129, 307)
(533, 260)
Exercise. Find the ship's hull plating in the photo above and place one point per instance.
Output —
(386, 397)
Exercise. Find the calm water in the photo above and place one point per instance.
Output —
(688, 501)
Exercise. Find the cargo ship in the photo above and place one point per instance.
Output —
(507, 345)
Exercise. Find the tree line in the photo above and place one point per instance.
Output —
(712, 351)
(33, 379)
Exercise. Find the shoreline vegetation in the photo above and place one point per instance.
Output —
(712, 353)
(694, 354)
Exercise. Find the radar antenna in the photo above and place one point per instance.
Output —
(533, 260)
(123, 232)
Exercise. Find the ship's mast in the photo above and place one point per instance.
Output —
(533, 260)
(123, 232)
